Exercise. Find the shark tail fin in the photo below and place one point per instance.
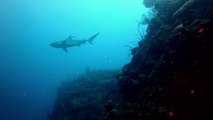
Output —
(92, 38)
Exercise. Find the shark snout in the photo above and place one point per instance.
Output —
(52, 44)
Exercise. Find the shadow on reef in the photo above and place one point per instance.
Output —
(84, 97)
(170, 76)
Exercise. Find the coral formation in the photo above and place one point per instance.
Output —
(83, 98)
(149, 3)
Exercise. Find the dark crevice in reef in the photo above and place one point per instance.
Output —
(170, 76)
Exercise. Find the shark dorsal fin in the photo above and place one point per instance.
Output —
(64, 42)
(70, 37)
(65, 49)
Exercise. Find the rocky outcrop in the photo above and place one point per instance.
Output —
(171, 72)
(84, 97)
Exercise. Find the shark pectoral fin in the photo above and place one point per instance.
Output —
(65, 49)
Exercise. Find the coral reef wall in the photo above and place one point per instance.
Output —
(171, 73)
(84, 97)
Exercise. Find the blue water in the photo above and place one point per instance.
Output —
(31, 70)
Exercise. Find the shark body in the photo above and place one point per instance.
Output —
(69, 42)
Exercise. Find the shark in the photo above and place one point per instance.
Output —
(70, 42)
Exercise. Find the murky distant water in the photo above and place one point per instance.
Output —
(31, 70)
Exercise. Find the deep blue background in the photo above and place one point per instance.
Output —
(31, 71)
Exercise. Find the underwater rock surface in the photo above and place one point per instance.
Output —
(171, 72)
(84, 97)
